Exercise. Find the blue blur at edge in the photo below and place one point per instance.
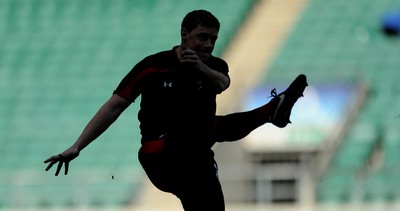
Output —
(315, 116)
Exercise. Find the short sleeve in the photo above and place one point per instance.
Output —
(131, 85)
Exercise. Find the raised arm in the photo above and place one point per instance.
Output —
(104, 117)
(219, 80)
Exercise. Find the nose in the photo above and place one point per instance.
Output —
(208, 44)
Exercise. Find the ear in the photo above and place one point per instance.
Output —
(184, 33)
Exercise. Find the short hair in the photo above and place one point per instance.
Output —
(199, 17)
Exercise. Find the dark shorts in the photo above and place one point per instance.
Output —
(192, 177)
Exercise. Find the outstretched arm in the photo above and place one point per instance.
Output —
(106, 115)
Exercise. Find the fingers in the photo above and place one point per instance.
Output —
(50, 165)
(66, 168)
(60, 163)
(51, 158)
(59, 166)
(57, 159)
(189, 57)
(186, 51)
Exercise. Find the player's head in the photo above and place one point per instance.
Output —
(199, 17)
(199, 32)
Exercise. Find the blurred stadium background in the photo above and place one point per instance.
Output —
(60, 60)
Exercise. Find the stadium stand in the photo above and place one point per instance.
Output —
(342, 39)
(60, 60)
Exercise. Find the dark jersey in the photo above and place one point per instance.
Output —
(176, 100)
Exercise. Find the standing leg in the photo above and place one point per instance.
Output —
(194, 180)
(200, 189)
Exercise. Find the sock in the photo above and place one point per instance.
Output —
(267, 110)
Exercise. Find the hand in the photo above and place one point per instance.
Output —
(189, 56)
(63, 158)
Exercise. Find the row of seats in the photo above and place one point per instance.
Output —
(333, 40)
(60, 60)
(349, 179)
(28, 187)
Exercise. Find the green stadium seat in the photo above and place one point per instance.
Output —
(357, 147)
(391, 146)
(325, 44)
(336, 186)
(60, 60)
(382, 185)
